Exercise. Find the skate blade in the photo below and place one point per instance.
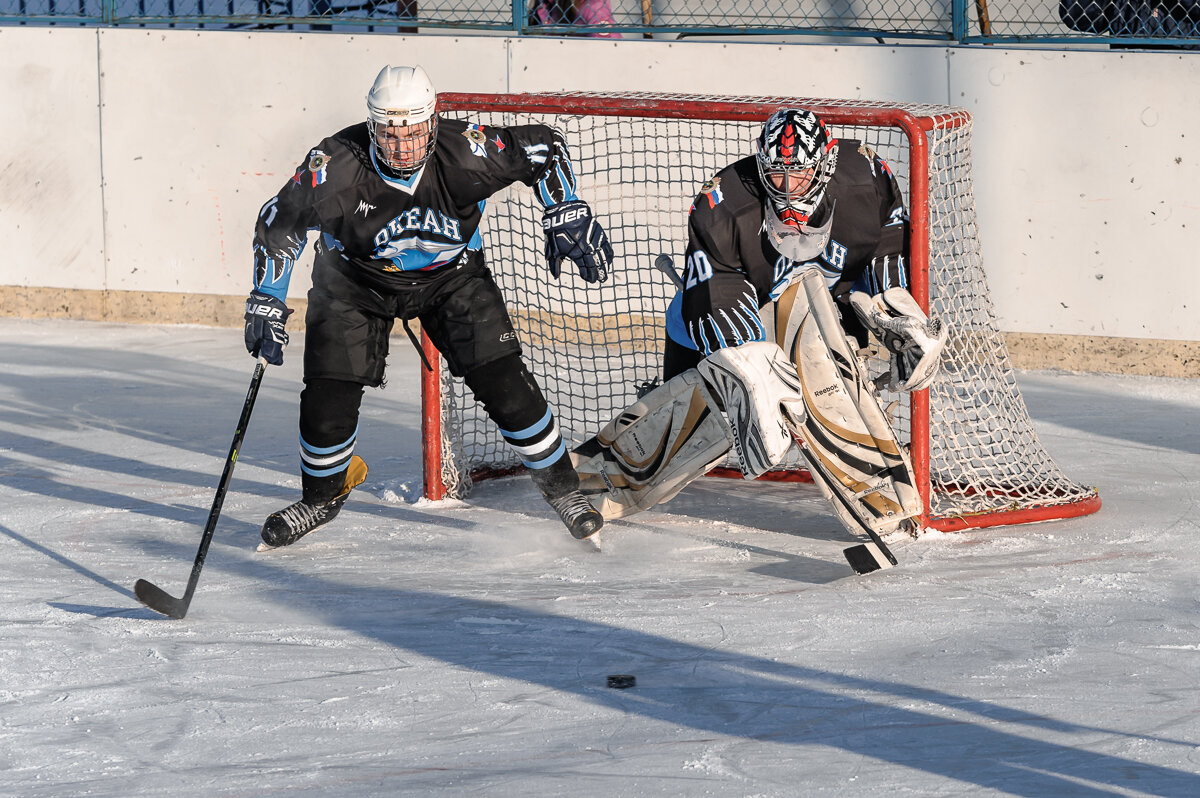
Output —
(591, 543)
(264, 546)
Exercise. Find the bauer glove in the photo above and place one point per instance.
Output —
(265, 318)
(572, 232)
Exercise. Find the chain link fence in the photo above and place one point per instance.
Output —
(1118, 23)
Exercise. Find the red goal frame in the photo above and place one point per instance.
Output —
(915, 122)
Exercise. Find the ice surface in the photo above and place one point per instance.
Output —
(461, 648)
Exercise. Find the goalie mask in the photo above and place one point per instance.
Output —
(402, 118)
(796, 159)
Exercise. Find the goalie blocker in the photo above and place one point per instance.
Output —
(809, 387)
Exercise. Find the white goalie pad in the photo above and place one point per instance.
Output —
(849, 445)
(653, 448)
(914, 340)
(761, 393)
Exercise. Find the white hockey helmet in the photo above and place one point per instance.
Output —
(796, 158)
(402, 118)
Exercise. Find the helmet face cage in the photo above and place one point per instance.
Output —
(403, 148)
(796, 159)
(402, 119)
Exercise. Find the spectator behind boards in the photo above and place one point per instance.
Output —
(574, 12)
(1143, 18)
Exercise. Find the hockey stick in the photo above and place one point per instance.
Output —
(665, 265)
(155, 597)
(864, 558)
(867, 557)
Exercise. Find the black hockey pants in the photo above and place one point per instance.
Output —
(346, 345)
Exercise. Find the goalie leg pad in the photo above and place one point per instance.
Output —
(847, 440)
(654, 448)
(760, 391)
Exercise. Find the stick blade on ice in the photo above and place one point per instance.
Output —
(154, 597)
(159, 600)
(867, 557)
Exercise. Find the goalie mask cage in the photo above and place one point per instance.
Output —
(640, 160)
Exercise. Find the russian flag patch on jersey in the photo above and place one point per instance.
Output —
(711, 191)
(318, 163)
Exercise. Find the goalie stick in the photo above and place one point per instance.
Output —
(871, 556)
(665, 265)
(155, 597)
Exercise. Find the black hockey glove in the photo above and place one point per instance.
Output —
(571, 232)
(265, 336)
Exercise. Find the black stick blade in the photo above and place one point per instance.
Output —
(867, 557)
(159, 600)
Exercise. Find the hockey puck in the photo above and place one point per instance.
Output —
(622, 681)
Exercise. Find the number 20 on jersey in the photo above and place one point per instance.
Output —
(697, 271)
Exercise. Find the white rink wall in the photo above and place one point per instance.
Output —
(136, 161)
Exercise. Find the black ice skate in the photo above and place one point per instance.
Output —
(293, 522)
(578, 514)
(559, 485)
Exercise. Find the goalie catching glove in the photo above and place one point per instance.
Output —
(265, 319)
(915, 340)
(572, 232)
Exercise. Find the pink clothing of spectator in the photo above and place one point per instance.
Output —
(574, 12)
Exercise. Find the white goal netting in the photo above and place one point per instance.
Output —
(641, 160)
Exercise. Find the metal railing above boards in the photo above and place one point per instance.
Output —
(1164, 24)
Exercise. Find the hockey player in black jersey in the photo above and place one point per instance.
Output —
(803, 200)
(396, 203)
(781, 246)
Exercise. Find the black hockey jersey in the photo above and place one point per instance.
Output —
(731, 267)
(384, 226)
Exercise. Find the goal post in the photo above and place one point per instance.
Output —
(640, 160)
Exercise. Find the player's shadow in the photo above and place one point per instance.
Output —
(84, 609)
(136, 402)
(130, 402)
(789, 508)
(757, 698)
(716, 690)
(714, 511)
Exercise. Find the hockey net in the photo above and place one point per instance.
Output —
(640, 160)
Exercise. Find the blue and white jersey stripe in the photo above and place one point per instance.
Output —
(886, 271)
(273, 270)
(557, 183)
(721, 328)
